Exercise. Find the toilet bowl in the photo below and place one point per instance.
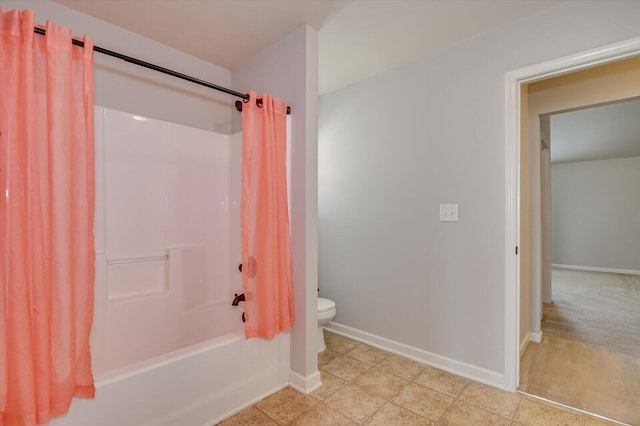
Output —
(326, 312)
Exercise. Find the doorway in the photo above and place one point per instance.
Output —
(589, 354)
(523, 289)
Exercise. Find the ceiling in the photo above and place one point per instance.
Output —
(358, 38)
(608, 131)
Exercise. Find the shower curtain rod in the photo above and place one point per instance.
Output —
(172, 73)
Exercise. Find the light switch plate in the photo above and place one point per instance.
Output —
(448, 212)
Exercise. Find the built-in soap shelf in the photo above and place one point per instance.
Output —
(134, 277)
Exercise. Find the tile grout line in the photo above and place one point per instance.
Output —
(388, 400)
(268, 416)
(515, 412)
(456, 399)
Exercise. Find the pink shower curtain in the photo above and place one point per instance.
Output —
(46, 220)
(266, 246)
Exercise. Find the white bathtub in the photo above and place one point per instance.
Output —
(180, 383)
(195, 386)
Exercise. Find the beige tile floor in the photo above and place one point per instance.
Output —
(366, 385)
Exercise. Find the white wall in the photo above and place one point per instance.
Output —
(394, 147)
(595, 213)
(130, 88)
(289, 70)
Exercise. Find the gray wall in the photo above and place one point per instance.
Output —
(130, 88)
(595, 214)
(394, 147)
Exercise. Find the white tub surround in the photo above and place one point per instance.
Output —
(168, 347)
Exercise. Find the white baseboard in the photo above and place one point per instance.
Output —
(306, 385)
(531, 337)
(535, 337)
(596, 269)
(425, 357)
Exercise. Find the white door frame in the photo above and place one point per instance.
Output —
(514, 80)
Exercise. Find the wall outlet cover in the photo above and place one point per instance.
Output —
(448, 212)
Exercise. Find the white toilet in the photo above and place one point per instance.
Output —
(326, 312)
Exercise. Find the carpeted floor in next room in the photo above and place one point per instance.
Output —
(589, 356)
(366, 385)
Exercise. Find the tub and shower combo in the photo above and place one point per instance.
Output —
(168, 347)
